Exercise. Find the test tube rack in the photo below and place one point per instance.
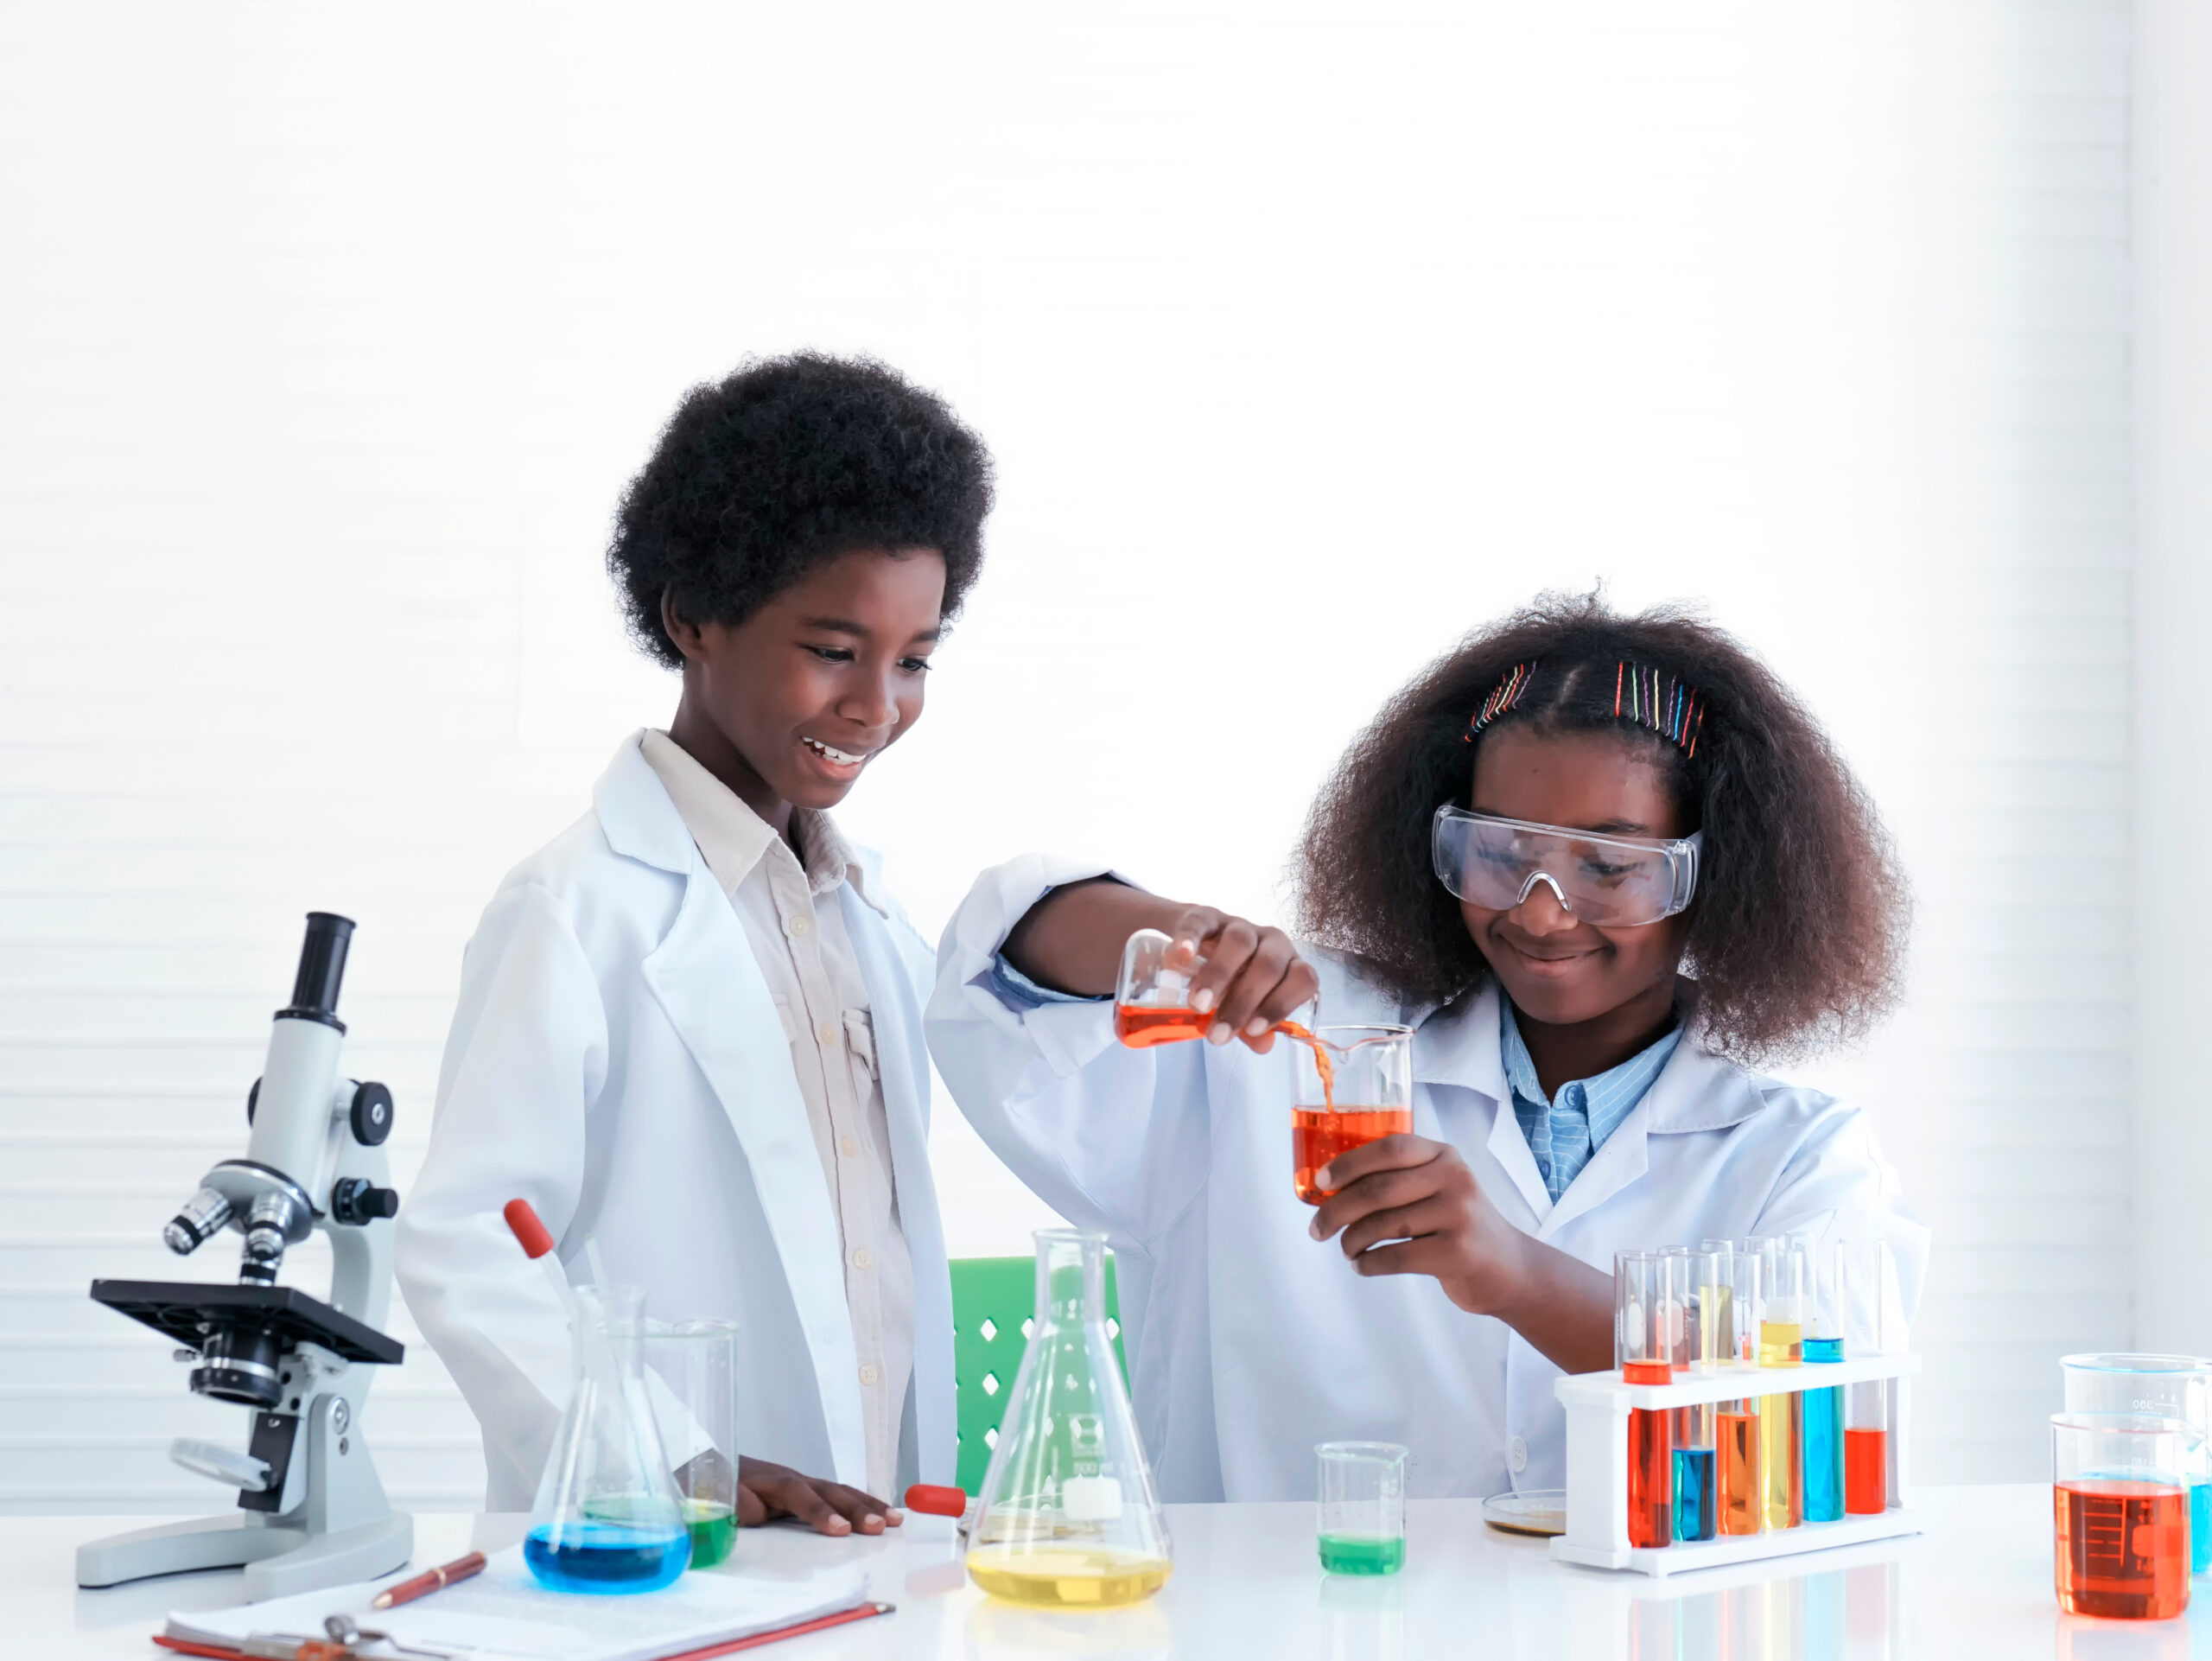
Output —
(1597, 1405)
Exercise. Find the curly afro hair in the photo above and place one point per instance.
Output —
(787, 463)
(1796, 932)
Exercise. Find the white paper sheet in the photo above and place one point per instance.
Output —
(504, 1614)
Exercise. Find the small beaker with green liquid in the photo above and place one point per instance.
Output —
(1362, 1510)
(691, 1377)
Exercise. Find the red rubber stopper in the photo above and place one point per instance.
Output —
(935, 1501)
(528, 1230)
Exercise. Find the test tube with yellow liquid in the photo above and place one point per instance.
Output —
(1068, 1517)
(1782, 1417)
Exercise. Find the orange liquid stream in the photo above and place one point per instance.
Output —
(1316, 1135)
(1141, 1028)
(2123, 1549)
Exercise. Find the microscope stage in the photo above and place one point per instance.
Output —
(185, 1311)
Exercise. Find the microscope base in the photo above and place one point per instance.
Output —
(339, 1529)
(277, 1560)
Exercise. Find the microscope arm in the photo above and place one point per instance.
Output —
(360, 1254)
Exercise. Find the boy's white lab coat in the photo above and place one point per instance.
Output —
(616, 1060)
(1248, 1341)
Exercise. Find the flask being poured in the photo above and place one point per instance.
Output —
(1067, 1516)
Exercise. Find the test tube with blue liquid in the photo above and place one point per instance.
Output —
(2178, 1387)
(1708, 1345)
(1822, 1486)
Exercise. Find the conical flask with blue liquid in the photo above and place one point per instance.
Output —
(608, 1517)
(1068, 1516)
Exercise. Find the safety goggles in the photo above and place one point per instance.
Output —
(1612, 882)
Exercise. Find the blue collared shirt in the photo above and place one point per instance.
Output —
(1565, 1133)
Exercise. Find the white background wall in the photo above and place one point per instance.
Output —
(1306, 337)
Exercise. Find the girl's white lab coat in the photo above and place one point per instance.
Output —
(1248, 1341)
(617, 1059)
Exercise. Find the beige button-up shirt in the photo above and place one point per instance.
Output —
(814, 978)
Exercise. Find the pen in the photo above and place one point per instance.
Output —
(423, 1585)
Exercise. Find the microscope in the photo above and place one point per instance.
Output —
(311, 1511)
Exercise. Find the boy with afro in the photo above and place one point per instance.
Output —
(689, 1031)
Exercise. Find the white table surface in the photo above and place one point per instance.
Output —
(1977, 1585)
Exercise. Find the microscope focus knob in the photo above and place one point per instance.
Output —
(372, 1114)
(355, 1200)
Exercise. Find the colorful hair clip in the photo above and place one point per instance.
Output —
(1502, 697)
(1673, 710)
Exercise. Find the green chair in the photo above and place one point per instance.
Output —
(994, 1306)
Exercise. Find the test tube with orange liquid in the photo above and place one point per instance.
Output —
(1739, 1474)
(1354, 1084)
(1644, 1294)
(2120, 1502)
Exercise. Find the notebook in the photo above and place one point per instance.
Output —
(504, 1614)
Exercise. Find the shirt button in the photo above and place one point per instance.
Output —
(800, 926)
(1517, 1455)
(869, 1375)
(862, 1257)
(849, 1147)
(825, 1033)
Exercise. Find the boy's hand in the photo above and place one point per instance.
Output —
(766, 1492)
(1420, 1196)
(1253, 975)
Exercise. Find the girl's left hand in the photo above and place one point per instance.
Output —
(1419, 1197)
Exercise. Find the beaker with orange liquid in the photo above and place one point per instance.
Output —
(2119, 1502)
(1355, 1086)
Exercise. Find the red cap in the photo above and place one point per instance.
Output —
(528, 1230)
(936, 1501)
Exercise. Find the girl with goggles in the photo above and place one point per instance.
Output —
(1597, 864)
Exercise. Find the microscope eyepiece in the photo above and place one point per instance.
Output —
(322, 968)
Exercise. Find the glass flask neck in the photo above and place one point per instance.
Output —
(1071, 1276)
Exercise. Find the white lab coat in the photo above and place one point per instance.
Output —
(616, 1060)
(1249, 1341)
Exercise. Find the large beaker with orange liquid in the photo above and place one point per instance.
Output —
(1355, 1086)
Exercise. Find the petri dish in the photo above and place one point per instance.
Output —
(1539, 1511)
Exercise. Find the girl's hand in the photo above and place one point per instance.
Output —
(1408, 1206)
(766, 1492)
(1419, 1197)
(1253, 975)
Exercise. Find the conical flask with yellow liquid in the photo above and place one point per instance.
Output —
(1068, 1517)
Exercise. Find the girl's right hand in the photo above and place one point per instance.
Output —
(1252, 978)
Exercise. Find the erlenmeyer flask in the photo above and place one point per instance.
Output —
(607, 1517)
(1068, 1514)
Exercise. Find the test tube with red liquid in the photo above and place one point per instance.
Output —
(1873, 1324)
(2119, 1502)
(1643, 1289)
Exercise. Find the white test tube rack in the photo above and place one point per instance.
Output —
(1598, 1406)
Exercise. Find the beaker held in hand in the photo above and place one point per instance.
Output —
(608, 1517)
(1068, 1517)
